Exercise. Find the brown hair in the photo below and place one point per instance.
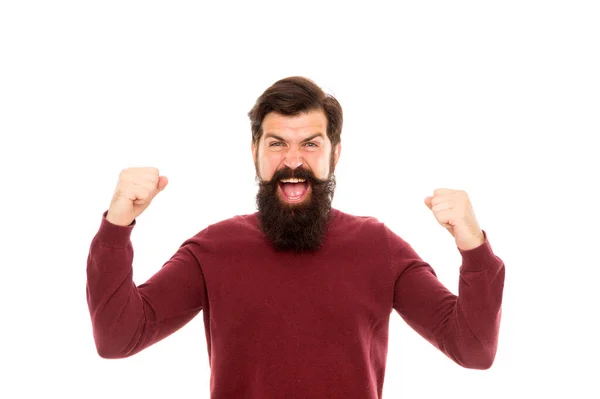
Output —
(292, 96)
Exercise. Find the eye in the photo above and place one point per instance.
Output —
(311, 144)
(276, 144)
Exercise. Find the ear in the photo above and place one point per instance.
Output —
(253, 149)
(337, 153)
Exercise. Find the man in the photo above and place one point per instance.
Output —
(296, 297)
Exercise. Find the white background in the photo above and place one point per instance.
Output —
(500, 99)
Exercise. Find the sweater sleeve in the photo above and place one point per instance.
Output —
(127, 318)
(464, 327)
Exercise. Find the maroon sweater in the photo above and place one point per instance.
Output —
(285, 325)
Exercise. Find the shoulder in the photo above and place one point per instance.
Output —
(237, 229)
(361, 225)
(238, 223)
(347, 220)
(357, 226)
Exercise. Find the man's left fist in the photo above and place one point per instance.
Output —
(452, 209)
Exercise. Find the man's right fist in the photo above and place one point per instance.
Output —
(136, 188)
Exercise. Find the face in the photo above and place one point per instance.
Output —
(294, 165)
(295, 142)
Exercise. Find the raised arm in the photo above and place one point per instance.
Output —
(127, 318)
(464, 327)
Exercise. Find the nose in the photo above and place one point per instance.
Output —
(292, 159)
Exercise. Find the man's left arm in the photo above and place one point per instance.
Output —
(465, 326)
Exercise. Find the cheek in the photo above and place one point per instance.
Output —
(267, 164)
(320, 165)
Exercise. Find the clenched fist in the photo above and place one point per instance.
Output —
(453, 210)
(136, 188)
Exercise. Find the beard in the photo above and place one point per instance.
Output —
(300, 226)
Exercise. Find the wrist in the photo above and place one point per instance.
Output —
(472, 242)
(118, 221)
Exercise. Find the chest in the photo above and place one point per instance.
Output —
(298, 296)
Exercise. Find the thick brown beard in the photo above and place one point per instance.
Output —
(295, 227)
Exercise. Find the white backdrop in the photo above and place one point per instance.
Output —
(497, 98)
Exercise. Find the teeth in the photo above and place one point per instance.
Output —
(293, 180)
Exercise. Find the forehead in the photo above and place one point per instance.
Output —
(304, 124)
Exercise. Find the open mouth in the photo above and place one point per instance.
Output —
(294, 190)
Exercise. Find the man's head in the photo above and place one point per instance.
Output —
(296, 143)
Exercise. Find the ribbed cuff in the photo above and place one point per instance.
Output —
(113, 235)
(479, 258)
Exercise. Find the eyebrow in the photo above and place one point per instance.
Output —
(314, 136)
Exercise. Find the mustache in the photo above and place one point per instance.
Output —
(298, 173)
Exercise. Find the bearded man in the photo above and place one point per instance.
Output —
(296, 297)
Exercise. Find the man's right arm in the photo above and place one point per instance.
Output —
(127, 318)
